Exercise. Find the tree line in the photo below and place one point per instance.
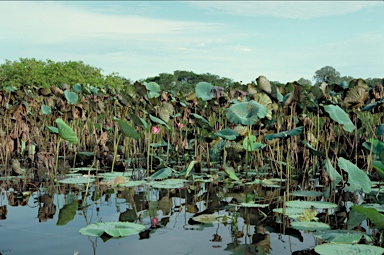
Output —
(31, 72)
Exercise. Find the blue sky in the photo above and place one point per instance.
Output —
(282, 40)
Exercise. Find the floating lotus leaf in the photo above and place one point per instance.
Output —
(309, 225)
(355, 97)
(169, 184)
(128, 130)
(77, 180)
(252, 204)
(309, 204)
(340, 116)
(357, 179)
(132, 184)
(212, 218)
(71, 97)
(348, 249)
(292, 132)
(246, 113)
(290, 211)
(341, 236)
(114, 229)
(66, 132)
(204, 90)
(153, 88)
(307, 193)
(227, 133)
(45, 109)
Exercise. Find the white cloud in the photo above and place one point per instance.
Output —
(285, 9)
(52, 22)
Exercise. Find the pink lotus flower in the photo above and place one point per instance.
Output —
(180, 125)
(155, 130)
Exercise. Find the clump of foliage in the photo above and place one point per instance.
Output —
(32, 72)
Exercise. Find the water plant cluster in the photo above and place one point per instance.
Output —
(308, 146)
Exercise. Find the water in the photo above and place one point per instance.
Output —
(26, 230)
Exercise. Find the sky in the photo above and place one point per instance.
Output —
(282, 40)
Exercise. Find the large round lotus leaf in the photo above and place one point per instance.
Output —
(212, 218)
(252, 204)
(114, 229)
(153, 89)
(355, 97)
(132, 184)
(340, 116)
(227, 133)
(341, 236)
(204, 90)
(289, 211)
(309, 225)
(169, 184)
(246, 113)
(307, 193)
(348, 249)
(357, 179)
(77, 180)
(309, 204)
(71, 97)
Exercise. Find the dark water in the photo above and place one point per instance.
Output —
(30, 225)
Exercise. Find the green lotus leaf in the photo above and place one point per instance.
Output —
(153, 88)
(310, 204)
(313, 150)
(114, 229)
(309, 225)
(250, 144)
(201, 121)
(307, 193)
(169, 184)
(246, 113)
(77, 88)
(158, 121)
(204, 91)
(374, 145)
(290, 211)
(66, 132)
(292, 132)
(162, 173)
(77, 180)
(45, 109)
(379, 167)
(71, 97)
(380, 129)
(68, 211)
(341, 236)
(128, 130)
(227, 133)
(231, 173)
(372, 213)
(340, 116)
(212, 218)
(54, 130)
(348, 249)
(357, 179)
(132, 184)
(334, 176)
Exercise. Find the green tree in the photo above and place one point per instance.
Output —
(32, 72)
(327, 74)
(304, 81)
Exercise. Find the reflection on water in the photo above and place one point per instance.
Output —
(46, 220)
